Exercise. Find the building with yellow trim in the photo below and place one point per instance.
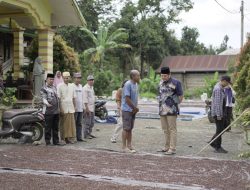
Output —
(16, 16)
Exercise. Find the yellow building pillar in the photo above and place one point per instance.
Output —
(18, 53)
(45, 48)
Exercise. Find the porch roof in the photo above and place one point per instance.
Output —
(40, 14)
(66, 13)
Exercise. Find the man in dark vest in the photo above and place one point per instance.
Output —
(50, 110)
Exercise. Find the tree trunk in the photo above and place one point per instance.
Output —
(142, 69)
(124, 69)
(148, 69)
(101, 62)
(142, 62)
(155, 75)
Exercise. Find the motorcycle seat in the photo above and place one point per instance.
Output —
(14, 112)
(99, 103)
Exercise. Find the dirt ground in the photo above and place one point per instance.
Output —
(99, 164)
(192, 136)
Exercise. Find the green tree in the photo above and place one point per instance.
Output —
(75, 38)
(242, 78)
(211, 50)
(126, 57)
(104, 42)
(223, 45)
(153, 20)
(169, 10)
(105, 82)
(189, 41)
(94, 12)
(147, 22)
(190, 44)
(172, 45)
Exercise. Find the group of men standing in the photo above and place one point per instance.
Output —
(170, 96)
(66, 104)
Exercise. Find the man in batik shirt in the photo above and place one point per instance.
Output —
(170, 96)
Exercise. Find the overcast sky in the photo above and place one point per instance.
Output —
(214, 23)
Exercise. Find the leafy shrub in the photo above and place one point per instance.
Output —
(242, 87)
(242, 76)
(7, 96)
(106, 82)
(244, 155)
(194, 93)
(210, 83)
(149, 95)
(86, 68)
(245, 120)
(64, 57)
(188, 94)
(149, 87)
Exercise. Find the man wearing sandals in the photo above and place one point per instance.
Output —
(170, 95)
(129, 109)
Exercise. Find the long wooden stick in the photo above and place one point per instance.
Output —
(205, 147)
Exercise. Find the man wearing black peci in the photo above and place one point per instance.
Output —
(50, 110)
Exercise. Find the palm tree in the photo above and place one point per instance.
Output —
(104, 43)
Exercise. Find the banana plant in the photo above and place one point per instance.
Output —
(104, 42)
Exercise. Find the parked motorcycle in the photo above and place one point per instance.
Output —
(101, 110)
(18, 123)
(208, 111)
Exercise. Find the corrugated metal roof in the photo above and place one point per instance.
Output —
(198, 63)
(231, 52)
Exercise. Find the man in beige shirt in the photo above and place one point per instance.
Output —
(66, 95)
(89, 107)
(118, 127)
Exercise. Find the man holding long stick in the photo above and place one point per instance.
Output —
(218, 112)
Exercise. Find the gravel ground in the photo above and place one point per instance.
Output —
(148, 138)
(117, 169)
(40, 182)
(99, 164)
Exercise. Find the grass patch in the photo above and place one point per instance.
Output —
(244, 155)
(149, 95)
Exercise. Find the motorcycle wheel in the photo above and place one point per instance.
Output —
(37, 130)
(104, 114)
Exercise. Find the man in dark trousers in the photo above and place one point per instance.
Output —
(79, 106)
(50, 110)
(218, 111)
(230, 100)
